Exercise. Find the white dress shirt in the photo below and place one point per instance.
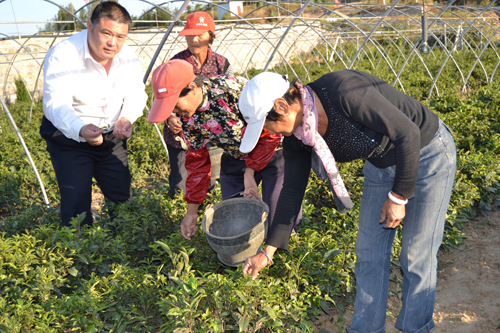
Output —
(78, 91)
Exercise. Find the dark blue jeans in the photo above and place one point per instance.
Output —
(422, 233)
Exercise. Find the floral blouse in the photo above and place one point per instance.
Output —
(219, 122)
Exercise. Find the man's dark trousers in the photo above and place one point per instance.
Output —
(75, 163)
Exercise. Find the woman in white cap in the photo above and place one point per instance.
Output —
(209, 109)
(200, 34)
(409, 172)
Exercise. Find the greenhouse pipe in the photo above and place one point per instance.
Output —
(371, 32)
(282, 37)
(155, 56)
(26, 151)
(459, 40)
(164, 39)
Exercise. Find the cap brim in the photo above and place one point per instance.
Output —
(193, 32)
(251, 136)
(162, 108)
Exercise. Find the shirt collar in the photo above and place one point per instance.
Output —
(189, 55)
(86, 50)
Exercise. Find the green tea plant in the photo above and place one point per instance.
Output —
(136, 273)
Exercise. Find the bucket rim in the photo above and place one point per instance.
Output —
(225, 202)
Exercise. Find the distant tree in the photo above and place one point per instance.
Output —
(63, 15)
(155, 16)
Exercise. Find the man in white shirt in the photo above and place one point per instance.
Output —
(92, 93)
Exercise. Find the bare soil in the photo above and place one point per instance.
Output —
(468, 287)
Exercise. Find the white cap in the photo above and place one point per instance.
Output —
(256, 100)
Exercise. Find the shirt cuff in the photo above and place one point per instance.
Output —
(74, 133)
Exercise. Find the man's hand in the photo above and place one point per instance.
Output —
(123, 129)
(188, 225)
(392, 213)
(174, 124)
(92, 134)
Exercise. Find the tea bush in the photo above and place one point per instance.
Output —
(136, 273)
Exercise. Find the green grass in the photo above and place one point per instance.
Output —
(144, 277)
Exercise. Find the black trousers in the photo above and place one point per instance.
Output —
(232, 180)
(75, 163)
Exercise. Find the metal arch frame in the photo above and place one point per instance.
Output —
(348, 20)
(296, 16)
(456, 42)
(244, 19)
(377, 53)
(329, 12)
(21, 140)
(11, 62)
(27, 152)
(411, 54)
(416, 43)
(471, 48)
(368, 37)
(478, 57)
(364, 10)
(271, 31)
(464, 88)
(22, 46)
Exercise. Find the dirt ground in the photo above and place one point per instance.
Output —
(468, 286)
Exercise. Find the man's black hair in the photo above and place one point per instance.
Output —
(112, 10)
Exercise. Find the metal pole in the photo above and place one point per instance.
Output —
(26, 151)
(445, 38)
(164, 39)
(284, 35)
(157, 53)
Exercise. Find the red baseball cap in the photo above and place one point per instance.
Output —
(168, 80)
(198, 23)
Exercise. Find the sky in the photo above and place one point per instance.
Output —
(40, 10)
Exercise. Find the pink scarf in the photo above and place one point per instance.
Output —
(307, 132)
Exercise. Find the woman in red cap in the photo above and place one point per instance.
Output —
(210, 114)
(200, 34)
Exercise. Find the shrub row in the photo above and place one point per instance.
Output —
(137, 274)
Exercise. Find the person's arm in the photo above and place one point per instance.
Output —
(297, 169)
(58, 96)
(198, 180)
(264, 150)
(198, 167)
(257, 160)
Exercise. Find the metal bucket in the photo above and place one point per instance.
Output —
(236, 228)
